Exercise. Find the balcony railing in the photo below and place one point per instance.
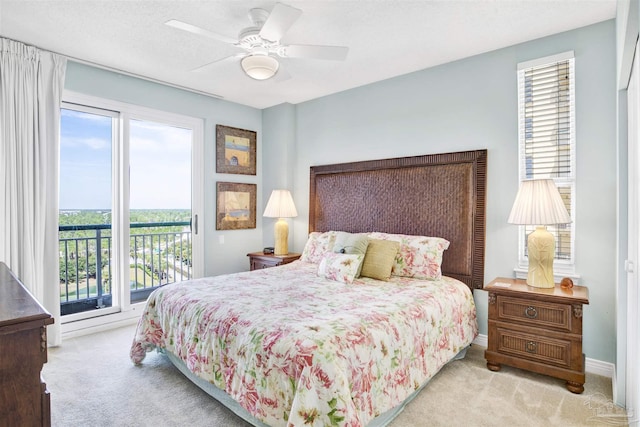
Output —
(160, 256)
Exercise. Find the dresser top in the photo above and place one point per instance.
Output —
(505, 285)
(17, 305)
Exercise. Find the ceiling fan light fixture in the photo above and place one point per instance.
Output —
(260, 67)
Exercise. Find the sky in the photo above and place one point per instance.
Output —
(160, 163)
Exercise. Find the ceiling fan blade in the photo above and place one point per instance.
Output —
(206, 67)
(200, 31)
(334, 53)
(279, 21)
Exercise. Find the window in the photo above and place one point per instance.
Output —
(546, 134)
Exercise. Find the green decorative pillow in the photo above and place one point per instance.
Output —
(351, 243)
(379, 259)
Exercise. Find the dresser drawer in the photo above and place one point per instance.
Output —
(539, 313)
(546, 350)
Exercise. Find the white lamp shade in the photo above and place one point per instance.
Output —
(260, 67)
(280, 205)
(538, 202)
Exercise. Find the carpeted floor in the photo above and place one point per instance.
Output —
(93, 383)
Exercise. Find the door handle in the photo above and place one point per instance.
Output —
(629, 267)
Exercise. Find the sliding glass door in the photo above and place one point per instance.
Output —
(127, 217)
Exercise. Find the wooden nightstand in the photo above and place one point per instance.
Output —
(537, 329)
(260, 260)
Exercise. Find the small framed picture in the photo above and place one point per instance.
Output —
(235, 206)
(235, 150)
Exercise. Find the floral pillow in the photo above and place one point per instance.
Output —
(419, 257)
(340, 267)
(317, 246)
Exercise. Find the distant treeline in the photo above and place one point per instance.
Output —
(99, 216)
(103, 217)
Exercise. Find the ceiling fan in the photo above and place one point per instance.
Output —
(261, 42)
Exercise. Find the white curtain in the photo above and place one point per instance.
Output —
(31, 83)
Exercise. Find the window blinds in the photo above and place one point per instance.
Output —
(546, 94)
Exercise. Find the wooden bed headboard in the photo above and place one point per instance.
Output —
(440, 195)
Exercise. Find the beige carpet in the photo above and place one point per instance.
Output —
(93, 383)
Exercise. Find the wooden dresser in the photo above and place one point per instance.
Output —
(537, 329)
(24, 399)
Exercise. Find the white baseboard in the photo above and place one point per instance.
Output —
(592, 366)
(481, 340)
(598, 367)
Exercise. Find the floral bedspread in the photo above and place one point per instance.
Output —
(295, 349)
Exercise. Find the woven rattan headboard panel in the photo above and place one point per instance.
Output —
(433, 195)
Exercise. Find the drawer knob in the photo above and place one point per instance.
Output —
(531, 346)
(531, 312)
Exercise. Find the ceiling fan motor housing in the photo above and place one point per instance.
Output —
(249, 38)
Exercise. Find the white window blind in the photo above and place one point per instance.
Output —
(546, 107)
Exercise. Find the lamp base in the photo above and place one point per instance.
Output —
(281, 234)
(542, 249)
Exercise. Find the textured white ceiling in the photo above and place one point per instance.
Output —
(386, 38)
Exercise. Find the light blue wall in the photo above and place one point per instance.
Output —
(472, 104)
(219, 258)
(279, 144)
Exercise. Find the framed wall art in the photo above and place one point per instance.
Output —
(235, 150)
(235, 206)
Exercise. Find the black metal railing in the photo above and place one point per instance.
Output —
(160, 256)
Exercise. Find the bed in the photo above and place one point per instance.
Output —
(315, 343)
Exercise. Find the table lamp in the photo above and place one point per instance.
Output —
(281, 206)
(539, 203)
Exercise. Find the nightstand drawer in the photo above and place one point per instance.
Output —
(258, 264)
(539, 313)
(534, 347)
(260, 260)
